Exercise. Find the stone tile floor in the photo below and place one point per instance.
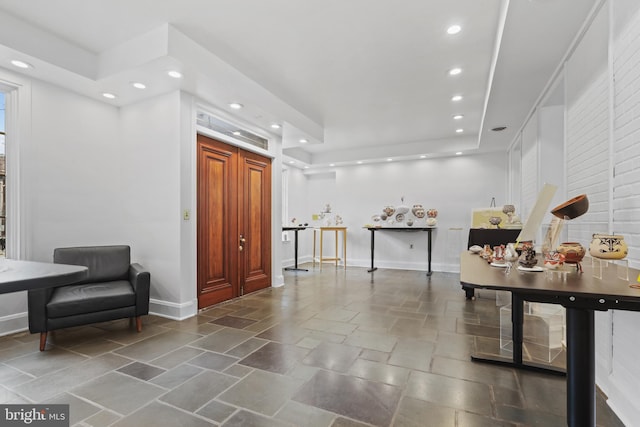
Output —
(331, 348)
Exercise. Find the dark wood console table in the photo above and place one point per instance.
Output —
(429, 230)
(581, 294)
(295, 240)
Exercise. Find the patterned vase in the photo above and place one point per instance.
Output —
(418, 211)
(573, 252)
(607, 246)
(528, 256)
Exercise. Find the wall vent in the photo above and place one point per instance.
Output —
(225, 128)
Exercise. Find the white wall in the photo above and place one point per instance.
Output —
(75, 172)
(299, 207)
(95, 175)
(71, 172)
(151, 197)
(453, 186)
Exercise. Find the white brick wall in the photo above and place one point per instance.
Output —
(587, 158)
(622, 383)
(626, 147)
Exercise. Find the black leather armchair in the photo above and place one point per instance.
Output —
(113, 289)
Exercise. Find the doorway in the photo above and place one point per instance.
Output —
(233, 222)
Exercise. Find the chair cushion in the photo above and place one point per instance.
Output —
(90, 297)
(104, 262)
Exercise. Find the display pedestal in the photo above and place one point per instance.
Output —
(621, 265)
(542, 330)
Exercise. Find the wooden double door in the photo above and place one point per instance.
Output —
(234, 221)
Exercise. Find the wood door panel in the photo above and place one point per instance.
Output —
(217, 223)
(256, 179)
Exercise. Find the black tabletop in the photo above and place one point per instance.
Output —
(18, 275)
(401, 228)
(572, 289)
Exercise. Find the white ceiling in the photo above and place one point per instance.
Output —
(360, 79)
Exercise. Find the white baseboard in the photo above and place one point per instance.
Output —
(620, 399)
(278, 281)
(301, 260)
(14, 323)
(173, 310)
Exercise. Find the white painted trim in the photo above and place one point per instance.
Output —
(278, 281)
(17, 137)
(504, 10)
(173, 310)
(14, 323)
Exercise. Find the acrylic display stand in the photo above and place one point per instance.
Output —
(543, 330)
(503, 298)
(621, 265)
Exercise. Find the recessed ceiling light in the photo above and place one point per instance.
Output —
(332, 164)
(359, 162)
(455, 71)
(175, 74)
(389, 160)
(459, 130)
(109, 95)
(291, 162)
(306, 167)
(458, 153)
(275, 126)
(454, 29)
(423, 157)
(303, 141)
(139, 85)
(456, 98)
(236, 105)
(237, 133)
(458, 117)
(21, 64)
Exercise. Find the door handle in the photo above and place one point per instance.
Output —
(242, 242)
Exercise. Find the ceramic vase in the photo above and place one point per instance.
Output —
(573, 252)
(528, 257)
(508, 209)
(432, 213)
(402, 209)
(608, 246)
(389, 211)
(553, 260)
(418, 211)
(495, 221)
(431, 222)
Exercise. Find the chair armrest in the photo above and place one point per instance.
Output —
(140, 280)
(37, 300)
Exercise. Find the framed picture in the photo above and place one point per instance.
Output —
(480, 217)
